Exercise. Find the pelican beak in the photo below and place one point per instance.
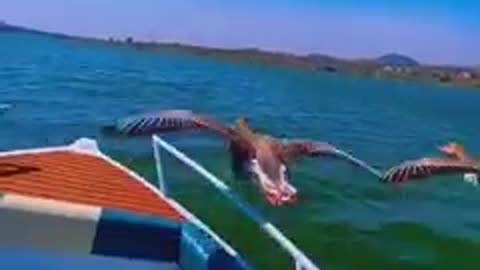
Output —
(277, 192)
(288, 194)
(278, 198)
(447, 150)
(444, 148)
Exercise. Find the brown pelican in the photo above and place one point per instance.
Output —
(456, 162)
(262, 155)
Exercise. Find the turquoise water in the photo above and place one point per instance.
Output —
(345, 219)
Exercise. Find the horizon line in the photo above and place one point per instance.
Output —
(257, 48)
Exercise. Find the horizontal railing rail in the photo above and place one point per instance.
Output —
(302, 262)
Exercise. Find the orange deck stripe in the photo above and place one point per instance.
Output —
(80, 178)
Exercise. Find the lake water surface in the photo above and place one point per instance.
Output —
(345, 219)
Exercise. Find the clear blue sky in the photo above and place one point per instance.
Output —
(433, 31)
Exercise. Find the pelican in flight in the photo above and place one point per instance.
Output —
(262, 155)
(457, 161)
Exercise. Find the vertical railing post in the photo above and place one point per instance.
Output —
(158, 166)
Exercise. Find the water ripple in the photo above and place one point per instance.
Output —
(64, 90)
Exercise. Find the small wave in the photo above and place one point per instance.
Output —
(4, 107)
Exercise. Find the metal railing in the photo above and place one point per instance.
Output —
(302, 262)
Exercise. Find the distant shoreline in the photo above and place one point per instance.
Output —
(392, 66)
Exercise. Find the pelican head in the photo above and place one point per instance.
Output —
(243, 121)
(453, 150)
(272, 176)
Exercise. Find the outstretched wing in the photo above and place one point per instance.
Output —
(295, 149)
(166, 121)
(422, 168)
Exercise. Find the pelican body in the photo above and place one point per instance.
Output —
(264, 156)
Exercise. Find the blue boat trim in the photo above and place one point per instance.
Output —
(221, 260)
(153, 238)
(124, 234)
(200, 251)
